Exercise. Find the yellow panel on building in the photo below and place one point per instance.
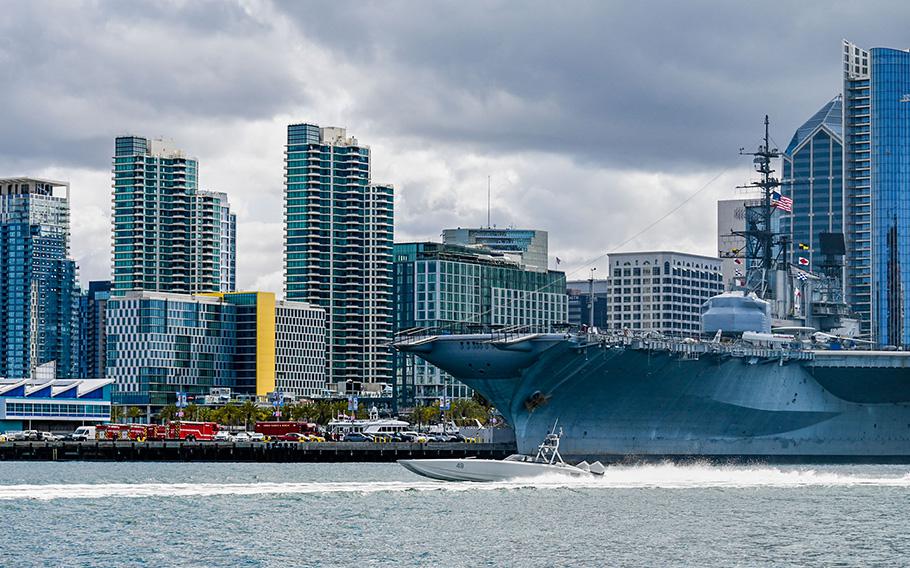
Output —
(265, 338)
(265, 343)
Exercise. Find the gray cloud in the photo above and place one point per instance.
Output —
(593, 118)
(644, 84)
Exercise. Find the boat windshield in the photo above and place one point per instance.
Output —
(517, 458)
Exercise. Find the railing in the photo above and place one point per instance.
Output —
(496, 332)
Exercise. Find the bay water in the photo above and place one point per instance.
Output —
(98, 514)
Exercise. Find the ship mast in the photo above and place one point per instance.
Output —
(764, 246)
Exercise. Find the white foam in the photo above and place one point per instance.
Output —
(664, 476)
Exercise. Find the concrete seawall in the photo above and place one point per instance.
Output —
(177, 451)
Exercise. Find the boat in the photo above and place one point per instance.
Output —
(547, 461)
(754, 385)
(374, 426)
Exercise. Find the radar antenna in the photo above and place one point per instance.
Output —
(764, 248)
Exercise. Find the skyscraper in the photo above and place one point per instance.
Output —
(167, 235)
(530, 245)
(39, 297)
(92, 330)
(877, 196)
(338, 248)
(812, 175)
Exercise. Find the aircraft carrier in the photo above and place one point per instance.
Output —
(624, 396)
(753, 385)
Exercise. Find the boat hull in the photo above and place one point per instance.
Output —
(485, 470)
(613, 402)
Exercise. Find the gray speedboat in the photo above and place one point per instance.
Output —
(546, 462)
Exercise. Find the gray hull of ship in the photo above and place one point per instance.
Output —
(615, 402)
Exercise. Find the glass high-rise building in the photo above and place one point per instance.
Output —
(812, 175)
(92, 329)
(249, 342)
(338, 248)
(39, 296)
(167, 235)
(453, 288)
(528, 244)
(877, 201)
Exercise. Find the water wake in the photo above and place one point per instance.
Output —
(663, 476)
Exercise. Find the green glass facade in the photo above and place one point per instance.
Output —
(451, 289)
(167, 235)
(338, 248)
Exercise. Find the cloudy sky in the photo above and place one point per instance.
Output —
(593, 119)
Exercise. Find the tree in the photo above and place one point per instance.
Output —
(248, 412)
(191, 412)
(426, 414)
(134, 412)
(467, 411)
(168, 413)
(116, 413)
(229, 414)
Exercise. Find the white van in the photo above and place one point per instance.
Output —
(84, 433)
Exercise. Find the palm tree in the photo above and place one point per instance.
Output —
(116, 413)
(231, 414)
(248, 411)
(168, 413)
(134, 412)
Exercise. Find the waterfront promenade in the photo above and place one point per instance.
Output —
(125, 450)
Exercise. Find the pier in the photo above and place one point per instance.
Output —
(181, 451)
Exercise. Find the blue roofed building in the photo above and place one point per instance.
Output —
(57, 405)
(812, 176)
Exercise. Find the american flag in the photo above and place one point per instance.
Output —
(782, 202)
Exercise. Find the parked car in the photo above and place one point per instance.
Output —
(414, 437)
(48, 437)
(223, 436)
(22, 436)
(294, 437)
(241, 437)
(256, 437)
(357, 437)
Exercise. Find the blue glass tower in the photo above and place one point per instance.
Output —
(877, 173)
(38, 294)
(92, 325)
(812, 175)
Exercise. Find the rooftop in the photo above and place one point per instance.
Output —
(829, 116)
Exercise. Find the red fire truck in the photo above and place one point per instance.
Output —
(190, 431)
(112, 432)
(283, 430)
